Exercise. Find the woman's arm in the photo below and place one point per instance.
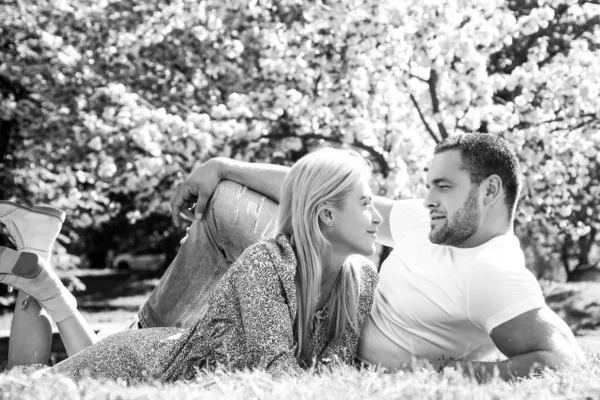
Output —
(266, 314)
(384, 207)
(344, 350)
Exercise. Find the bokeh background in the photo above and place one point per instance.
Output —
(106, 104)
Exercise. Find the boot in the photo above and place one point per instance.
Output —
(31, 274)
(32, 230)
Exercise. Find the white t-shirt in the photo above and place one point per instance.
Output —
(434, 300)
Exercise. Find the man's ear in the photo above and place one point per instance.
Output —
(326, 215)
(494, 189)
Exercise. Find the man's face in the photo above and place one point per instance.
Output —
(452, 200)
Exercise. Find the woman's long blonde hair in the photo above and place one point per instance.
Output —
(326, 175)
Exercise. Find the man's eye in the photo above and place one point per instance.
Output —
(444, 188)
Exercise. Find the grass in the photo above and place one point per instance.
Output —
(579, 383)
(343, 383)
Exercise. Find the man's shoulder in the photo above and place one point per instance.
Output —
(501, 263)
(503, 250)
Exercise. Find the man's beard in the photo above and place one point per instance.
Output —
(462, 226)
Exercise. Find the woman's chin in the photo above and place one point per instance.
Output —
(373, 251)
(368, 252)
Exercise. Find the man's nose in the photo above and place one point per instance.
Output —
(431, 200)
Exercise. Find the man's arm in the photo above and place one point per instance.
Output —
(265, 179)
(532, 341)
(384, 207)
(199, 186)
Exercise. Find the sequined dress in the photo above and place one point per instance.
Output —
(249, 324)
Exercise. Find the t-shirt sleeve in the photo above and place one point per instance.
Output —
(409, 220)
(498, 293)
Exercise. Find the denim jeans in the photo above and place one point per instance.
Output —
(235, 218)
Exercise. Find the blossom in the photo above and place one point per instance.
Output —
(95, 144)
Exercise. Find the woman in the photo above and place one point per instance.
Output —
(292, 302)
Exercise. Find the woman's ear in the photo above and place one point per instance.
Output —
(326, 215)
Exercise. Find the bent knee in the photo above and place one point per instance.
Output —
(237, 206)
(240, 216)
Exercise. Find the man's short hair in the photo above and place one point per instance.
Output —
(483, 155)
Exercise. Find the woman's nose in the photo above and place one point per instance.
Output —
(377, 218)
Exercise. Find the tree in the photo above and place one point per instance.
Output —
(127, 97)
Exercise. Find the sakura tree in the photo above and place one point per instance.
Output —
(108, 104)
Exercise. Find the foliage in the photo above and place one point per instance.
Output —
(106, 104)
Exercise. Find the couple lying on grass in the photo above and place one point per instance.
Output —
(453, 291)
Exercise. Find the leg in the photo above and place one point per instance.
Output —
(132, 355)
(31, 230)
(236, 218)
(30, 333)
(76, 333)
(29, 272)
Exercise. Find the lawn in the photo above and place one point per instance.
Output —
(568, 300)
(344, 383)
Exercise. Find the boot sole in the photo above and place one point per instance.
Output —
(43, 210)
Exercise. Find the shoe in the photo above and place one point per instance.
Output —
(34, 229)
(31, 273)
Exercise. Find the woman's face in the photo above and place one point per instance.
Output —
(354, 228)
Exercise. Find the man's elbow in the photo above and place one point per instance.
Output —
(567, 356)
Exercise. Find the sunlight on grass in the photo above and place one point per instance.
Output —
(344, 383)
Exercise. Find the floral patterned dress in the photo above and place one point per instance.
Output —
(249, 324)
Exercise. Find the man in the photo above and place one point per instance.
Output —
(453, 290)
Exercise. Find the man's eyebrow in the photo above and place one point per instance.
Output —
(437, 181)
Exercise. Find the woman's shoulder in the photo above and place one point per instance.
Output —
(367, 284)
(278, 246)
(367, 274)
(276, 251)
(365, 267)
(270, 261)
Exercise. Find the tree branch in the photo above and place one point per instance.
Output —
(525, 124)
(377, 156)
(435, 102)
(416, 77)
(427, 127)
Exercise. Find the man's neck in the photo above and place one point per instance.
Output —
(490, 227)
